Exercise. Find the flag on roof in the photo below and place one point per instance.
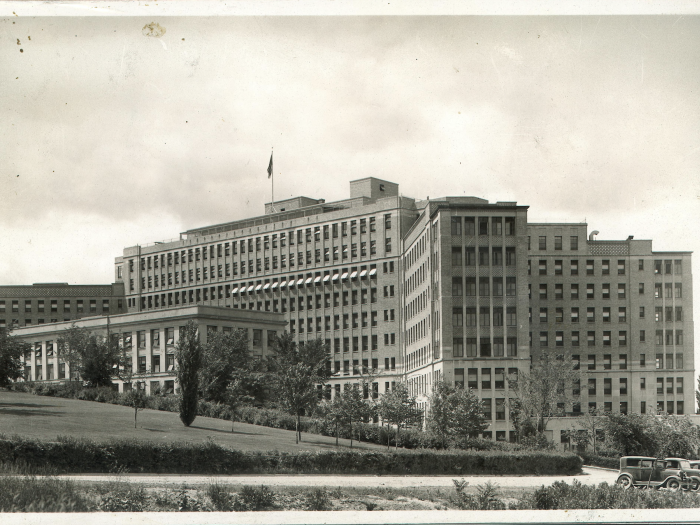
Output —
(269, 168)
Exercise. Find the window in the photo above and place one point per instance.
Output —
(543, 242)
(590, 314)
(458, 347)
(456, 223)
(574, 291)
(575, 338)
(589, 267)
(497, 225)
(456, 256)
(621, 290)
(456, 287)
(543, 315)
(621, 267)
(574, 315)
(543, 267)
(591, 338)
(557, 242)
(558, 267)
(543, 291)
(574, 267)
(590, 291)
(574, 242)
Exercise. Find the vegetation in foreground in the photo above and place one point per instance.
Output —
(69, 455)
(29, 493)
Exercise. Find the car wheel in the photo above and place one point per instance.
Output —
(694, 484)
(625, 481)
(673, 484)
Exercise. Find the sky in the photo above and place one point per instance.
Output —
(117, 131)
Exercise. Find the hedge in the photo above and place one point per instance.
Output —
(69, 455)
(600, 461)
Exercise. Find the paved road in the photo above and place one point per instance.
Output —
(590, 476)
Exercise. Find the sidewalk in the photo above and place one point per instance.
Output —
(589, 477)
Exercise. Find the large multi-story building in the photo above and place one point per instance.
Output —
(43, 303)
(455, 288)
(622, 311)
(149, 338)
(332, 270)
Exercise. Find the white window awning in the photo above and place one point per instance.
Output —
(258, 287)
(283, 284)
(363, 274)
(308, 281)
(336, 276)
(353, 275)
(274, 285)
(326, 278)
(317, 279)
(235, 290)
(267, 285)
(372, 272)
(344, 276)
(300, 282)
(251, 288)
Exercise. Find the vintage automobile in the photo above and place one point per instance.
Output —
(648, 472)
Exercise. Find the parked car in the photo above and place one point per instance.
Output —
(648, 472)
(691, 469)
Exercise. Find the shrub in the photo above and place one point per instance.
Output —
(125, 500)
(561, 495)
(81, 455)
(220, 497)
(30, 494)
(253, 498)
(318, 499)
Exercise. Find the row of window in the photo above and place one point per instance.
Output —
(482, 225)
(622, 363)
(41, 306)
(672, 314)
(574, 289)
(340, 275)
(487, 316)
(486, 257)
(364, 368)
(575, 340)
(261, 243)
(499, 347)
(487, 286)
(359, 320)
(363, 343)
(558, 242)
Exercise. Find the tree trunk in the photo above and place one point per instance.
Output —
(398, 427)
(298, 427)
(136, 411)
(231, 423)
(296, 430)
(336, 433)
(350, 434)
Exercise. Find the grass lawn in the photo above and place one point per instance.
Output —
(46, 418)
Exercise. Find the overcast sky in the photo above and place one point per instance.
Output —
(112, 137)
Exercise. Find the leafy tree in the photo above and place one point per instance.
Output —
(455, 412)
(467, 413)
(136, 399)
(12, 352)
(298, 370)
(224, 354)
(334, 413)
(398, 408)
(629, 434)
(541, 389)
(354, 407)
(188, 353)
(238, 392)
(91, 355)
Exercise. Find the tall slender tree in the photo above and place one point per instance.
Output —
(188, 352)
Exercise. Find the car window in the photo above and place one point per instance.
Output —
(632, 462)
(685, 464)
(672, 464)
(646, 463)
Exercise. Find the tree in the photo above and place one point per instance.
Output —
(542, 389)
(354, 407)
(12, 352)
(298, 370)
(188, 353)
(224, 354)
(630, 435)
(136, 399)
(91, 355)
(333, 412)
(455, 412)
(398, 407)
(591, 421)
(238, 392)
